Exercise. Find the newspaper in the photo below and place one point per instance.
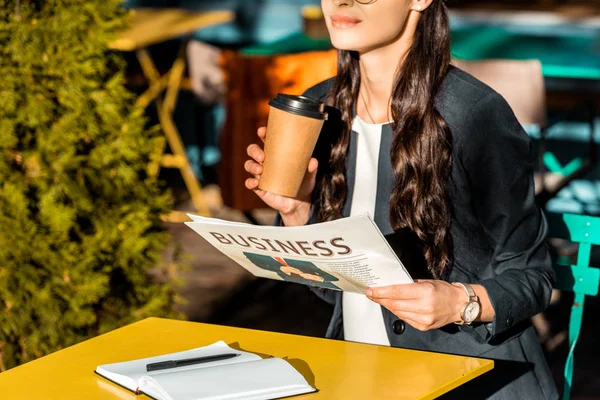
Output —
(349, 254)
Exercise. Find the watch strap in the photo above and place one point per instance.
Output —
(468, 289)
(472, 298)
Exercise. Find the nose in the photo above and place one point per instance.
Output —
(343, 3)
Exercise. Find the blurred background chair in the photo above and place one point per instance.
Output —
(149, 27)
(252, 81)
(521, 83)
(580, 278)
(257, 22)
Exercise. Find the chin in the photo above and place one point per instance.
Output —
(350, 41)
(347, 41)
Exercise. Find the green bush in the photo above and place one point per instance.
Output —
(80, 227)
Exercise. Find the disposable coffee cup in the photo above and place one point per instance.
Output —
(293, 129)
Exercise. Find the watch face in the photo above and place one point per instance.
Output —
(471, 311)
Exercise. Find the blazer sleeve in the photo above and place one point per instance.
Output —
(496, 155)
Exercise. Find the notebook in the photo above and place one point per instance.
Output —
(244, 376)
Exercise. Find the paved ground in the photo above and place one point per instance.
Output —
(219, 291)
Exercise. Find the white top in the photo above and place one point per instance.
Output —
(363, 320)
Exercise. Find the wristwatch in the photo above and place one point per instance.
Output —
(470, 311)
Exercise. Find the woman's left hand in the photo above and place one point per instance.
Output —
(424, 304)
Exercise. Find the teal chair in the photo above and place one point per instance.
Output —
(580, 278)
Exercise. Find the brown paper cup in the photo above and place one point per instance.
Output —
(289, 144)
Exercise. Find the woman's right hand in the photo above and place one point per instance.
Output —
(293, 211)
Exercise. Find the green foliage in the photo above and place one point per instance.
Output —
(80, 226)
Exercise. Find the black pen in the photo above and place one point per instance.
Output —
(188, 361)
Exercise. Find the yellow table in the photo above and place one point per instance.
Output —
(339, 370)
(151, 26)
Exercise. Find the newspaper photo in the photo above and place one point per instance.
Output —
(349, 254)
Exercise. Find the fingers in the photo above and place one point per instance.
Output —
(251, 183)
(256, 153)
(419, 321)
(253, 168)
(311, 176)
(403, 305)
(413, 314)
(398, 292)
(313, 164)
(262, 132)
(424, 304)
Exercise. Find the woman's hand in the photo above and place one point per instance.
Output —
(424, 304)
(294, 211)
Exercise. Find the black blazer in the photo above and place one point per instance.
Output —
(498, 236)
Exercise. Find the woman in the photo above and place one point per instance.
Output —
(442, 164)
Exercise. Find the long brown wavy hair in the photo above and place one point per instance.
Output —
(421, 150)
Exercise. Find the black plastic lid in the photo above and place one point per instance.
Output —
(299, 105)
